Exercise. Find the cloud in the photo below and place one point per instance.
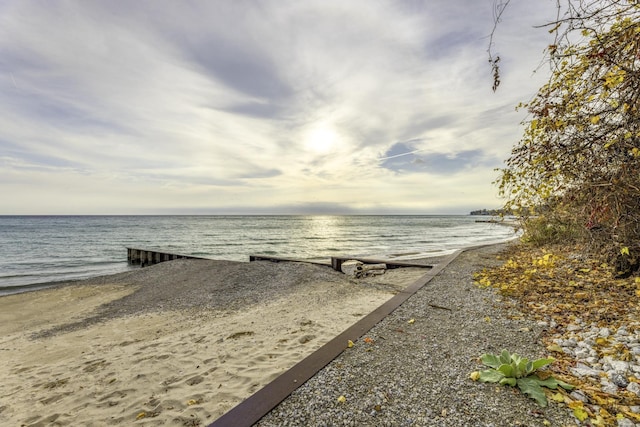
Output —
(215, 105)
(404, 157)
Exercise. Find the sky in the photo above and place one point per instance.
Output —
(262, 106)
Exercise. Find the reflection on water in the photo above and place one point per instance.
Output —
(41, 249)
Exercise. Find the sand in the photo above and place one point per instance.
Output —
(152, 347)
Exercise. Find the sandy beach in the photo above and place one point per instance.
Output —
(178, 343)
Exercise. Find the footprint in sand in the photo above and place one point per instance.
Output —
(195, 380)
(238, 335)
(306, 338)
(95, 364)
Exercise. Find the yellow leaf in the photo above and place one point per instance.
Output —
(349, 343)
(576, 404)
(411, 321)
(192, 402)
(487, 319)
(624, 251)
(141, 415)
(555, 347)
(534, 124)
(342, 399)
(580, 414)
(558, 397)
(595, 119)
(475, 375)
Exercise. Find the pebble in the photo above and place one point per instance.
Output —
(582, 370)
(583, 343)
(619, 379)
(634, 388)
(625, 422)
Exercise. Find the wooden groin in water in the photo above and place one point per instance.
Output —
(145, 257)
(336, 262)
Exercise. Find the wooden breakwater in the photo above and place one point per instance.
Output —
(336, 262)
(145, 257)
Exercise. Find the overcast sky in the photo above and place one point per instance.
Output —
(314, 106)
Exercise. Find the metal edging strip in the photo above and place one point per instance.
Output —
(256, 406)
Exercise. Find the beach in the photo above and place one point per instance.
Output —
(178, 343)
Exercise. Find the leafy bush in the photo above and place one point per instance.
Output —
(542, 230)
(514, 370)
(579, 155)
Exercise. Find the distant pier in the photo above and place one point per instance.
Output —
(145, 257)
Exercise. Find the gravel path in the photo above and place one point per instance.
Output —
(412, 369)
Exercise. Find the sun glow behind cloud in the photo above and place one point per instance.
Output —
(280, 107)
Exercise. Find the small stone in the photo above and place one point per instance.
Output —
(635, 368)
(572, 327)
(625, 422)
(634, 388)
(609, 387)
(569, 343)
(582, 370)
(582, 353)
(635, 409)
(619, 365)
(619, 379)
(578, 395)
(604, 332)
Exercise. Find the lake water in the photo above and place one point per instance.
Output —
(40, 249)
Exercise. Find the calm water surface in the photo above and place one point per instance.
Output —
(39, 249)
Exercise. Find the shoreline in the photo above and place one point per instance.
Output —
(424, 257)
(181, 341)
(136, 353)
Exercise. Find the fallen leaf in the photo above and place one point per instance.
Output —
(369, 340)
(555, 347)
(342, 399)
(580, 414)
(350, 344)
(475, 375)
(141, 415)
(411, 321)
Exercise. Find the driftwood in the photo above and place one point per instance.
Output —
(359, 269)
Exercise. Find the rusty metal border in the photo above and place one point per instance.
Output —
(256, 406)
